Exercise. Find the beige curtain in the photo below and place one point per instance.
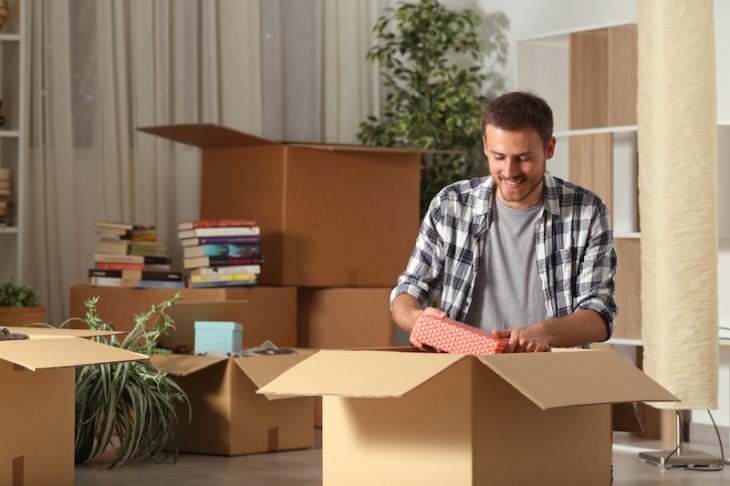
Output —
(285, 69)
(99, 69)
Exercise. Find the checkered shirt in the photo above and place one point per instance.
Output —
(576, 260)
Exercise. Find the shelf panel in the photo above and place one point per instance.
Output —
(11, 230)
(9, 37)
(9, 133)
(626, 236)
(596, 131)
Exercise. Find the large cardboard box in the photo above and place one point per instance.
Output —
(267, 312)
(330, 215)
(37, 407)
(412, 418)
(228, 417)
(344, 318)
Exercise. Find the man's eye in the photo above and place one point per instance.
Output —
(524, 159)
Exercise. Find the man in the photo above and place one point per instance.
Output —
(520, 253)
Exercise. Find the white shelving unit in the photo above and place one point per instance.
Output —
(588, 76)
(13, 135)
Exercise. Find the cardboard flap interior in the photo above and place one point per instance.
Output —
(262, 369)
(36, 354)
(626, 418)
(183, 364)
(206, 135)
(359, 373)
(586, 377)
(53, 333)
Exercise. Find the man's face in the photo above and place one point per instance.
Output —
(517, 164)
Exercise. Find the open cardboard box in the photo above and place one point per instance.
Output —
(228, 417)
(426, 418)
(330, 215)
(38, 400)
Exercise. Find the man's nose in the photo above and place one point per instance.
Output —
(511, 167)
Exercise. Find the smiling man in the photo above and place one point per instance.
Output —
(520, 253)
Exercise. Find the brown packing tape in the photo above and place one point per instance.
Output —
(273, 439)
(18, 467)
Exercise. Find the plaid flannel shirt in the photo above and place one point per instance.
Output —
(576, 260)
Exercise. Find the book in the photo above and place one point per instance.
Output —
(159, 284)
(137, 274)
(158, 267)
(119, 266)
(232, 231)
(122, 274)
(219, 261)
(226, 270)
(235, 283)
(216, 223)
(4, 173)
(449, 336)
(112, 282)
(123, 228)
(232, 277)
(221, 240)
(221, 250)
(103, 257)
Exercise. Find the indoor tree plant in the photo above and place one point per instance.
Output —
(433, 64)
(131, 404)
(19, 304)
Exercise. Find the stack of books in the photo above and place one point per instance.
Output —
(221, 252)
(129, 255)
(4, 196)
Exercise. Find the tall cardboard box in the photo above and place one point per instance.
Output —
(413, 418)
(228, 417)
(38, 400)
(270, 312)
(344, 318)
(330, 215)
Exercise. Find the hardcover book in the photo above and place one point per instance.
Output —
(226, 270)
(221, 240)
(232, 277)
(219, 261)
(216, 223)
(235, 283)
(232, 231)
(221, 250)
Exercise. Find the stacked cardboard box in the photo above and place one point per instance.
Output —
(337, 221)
(37, 379)
(130, 255)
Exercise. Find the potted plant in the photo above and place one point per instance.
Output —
(19, 305)
(433, 63)
(130, 408)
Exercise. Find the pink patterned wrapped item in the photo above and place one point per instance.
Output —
(455, 337)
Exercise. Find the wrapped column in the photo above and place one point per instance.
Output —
(677, 133)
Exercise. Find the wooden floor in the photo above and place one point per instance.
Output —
(304, 468)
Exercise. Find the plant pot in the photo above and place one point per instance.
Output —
(21, 316)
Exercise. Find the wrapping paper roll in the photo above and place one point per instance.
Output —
(676, 108)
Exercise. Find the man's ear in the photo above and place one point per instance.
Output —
(550, 149)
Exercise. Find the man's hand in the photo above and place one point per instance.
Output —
(429, 311)
(532, 339)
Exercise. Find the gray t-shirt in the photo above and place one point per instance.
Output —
(508, 290)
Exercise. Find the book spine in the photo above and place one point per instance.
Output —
(228, 261)
(234, 277)
(232, 231)
(222, 223)
(119, 266)
(156, 260)
(235, 283)
(162, 276)
(159, 284)
(227, 270)
(230, 250)
(103, 257)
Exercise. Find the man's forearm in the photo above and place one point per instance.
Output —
(582, 327)
(405, 310)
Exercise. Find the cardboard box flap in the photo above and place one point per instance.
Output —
(351, 373)
(564, 379)
(262, 369)
(371, 148)
(184, 364)
(54, 333)
(206, 135)
(37, 354)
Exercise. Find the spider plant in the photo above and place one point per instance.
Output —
(134, 403)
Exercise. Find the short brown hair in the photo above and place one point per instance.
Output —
(517, 110)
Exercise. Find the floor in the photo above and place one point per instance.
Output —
(304, 468)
